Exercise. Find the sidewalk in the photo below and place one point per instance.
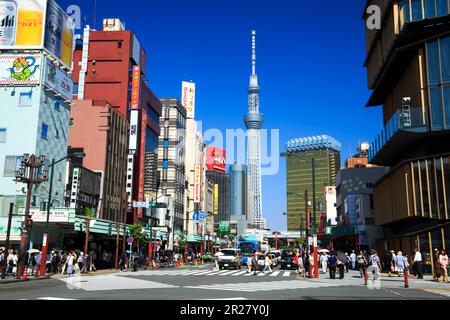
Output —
(15, 280)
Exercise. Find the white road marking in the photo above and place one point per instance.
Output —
(53, 298)
(286, 274)
(239, 273)
(265, 286)
(113, 282)
(220, 272)
(238, 298)
(229, 272)
(275, 273)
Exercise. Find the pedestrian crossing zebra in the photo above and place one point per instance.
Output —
(265, 286)
(210, 273)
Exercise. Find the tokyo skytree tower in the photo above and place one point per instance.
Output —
(254, 121)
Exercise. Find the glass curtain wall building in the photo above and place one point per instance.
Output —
(299, 156)
(408, 68)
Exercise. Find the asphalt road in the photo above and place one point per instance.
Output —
(203, 284)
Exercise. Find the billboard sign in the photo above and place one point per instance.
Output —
(37, 24)
(135, 84)
(216, 199)
(215, 159)
(22, 24)
(20, 69)
(57, 80)
(134, 125)
(224, 227)
(188, 98)
(61, 215)
(197, 184)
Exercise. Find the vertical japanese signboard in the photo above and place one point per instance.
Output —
(198, 184)
(188, 98)
(216, 199)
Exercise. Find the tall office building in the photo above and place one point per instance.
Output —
(254, 121)
(408, 67)
(111, 65)
(309, 159)
(171, 160)
(238, 190)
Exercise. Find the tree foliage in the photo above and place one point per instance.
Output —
(139, 236)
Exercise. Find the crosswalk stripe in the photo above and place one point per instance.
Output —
(286, 274)
(239, 273)
(261, 274)
(191, 273)
(229, 272)
(203, 272)
(220, 272)
(275, 273)
(265, 286)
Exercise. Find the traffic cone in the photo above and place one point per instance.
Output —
(196, 262)
(182, 263)
(25, 275)
(203, 262)
(176, 264)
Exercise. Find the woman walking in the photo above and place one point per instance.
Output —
(443, 261)
(400, 262)
(362, 263)
(69, 263)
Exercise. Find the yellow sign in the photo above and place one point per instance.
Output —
(216, 199)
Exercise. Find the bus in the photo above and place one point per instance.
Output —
(248, 247)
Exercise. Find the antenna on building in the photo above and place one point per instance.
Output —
(95, 15)
(253, 51)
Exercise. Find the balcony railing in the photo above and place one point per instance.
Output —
(407, 119)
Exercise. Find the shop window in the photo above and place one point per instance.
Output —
(447, 240)
(440, 189)
(426, 201)
(432, 185)
(417, 188)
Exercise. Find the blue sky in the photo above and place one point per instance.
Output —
(310, 67)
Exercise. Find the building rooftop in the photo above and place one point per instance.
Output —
(322, 142)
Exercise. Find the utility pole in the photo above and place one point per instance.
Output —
(29, 174)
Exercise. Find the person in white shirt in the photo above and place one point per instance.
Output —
(418, 264)
(324, 262)
(267, 264)
(353, 259)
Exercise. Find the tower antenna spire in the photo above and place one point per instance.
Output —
(253, 51)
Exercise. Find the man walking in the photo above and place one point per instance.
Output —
(418, 263)
(375, 265)
(255, 264)
(332, 262)
(353, 259)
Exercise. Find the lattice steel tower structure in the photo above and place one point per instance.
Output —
(254, 121)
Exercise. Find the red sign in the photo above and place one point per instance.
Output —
(135, 87)
(215, 159)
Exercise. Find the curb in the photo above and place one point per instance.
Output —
(7, 281)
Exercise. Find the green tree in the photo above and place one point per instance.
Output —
(139, 237)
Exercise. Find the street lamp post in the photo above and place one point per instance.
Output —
(50, 189)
